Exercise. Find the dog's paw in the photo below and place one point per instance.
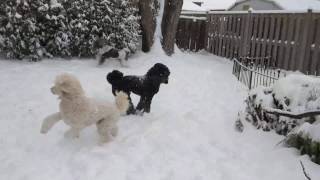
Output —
(44, 129)
(139, 112)
(106, 139)
(71, 134)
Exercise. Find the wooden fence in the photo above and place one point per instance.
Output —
(291, 39)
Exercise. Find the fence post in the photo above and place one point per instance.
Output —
(244, 51)
(305, 44)
(250, 80)
(206, 36)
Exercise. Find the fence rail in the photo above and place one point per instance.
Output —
(292, 39)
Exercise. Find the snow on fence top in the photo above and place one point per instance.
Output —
(264, 12)
(194, 18)
(185, 12)
(207, 5)
(194, 12)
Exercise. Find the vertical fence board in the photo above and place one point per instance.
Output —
(298, 29)
(271, 36)
(265, 36)
(288, 42)
(283, 38)
(315, 58)
(254, 35)
(260, 33)
(304, 42)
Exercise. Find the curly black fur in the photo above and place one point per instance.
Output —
(146, 86)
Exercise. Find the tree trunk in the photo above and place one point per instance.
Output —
(148, 24)
(170, 20)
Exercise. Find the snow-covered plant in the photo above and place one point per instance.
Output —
(53, 25)
(306, 138)
(294, 93)
(102, 22)
(291, 96)
(20, 36)
(124, 28)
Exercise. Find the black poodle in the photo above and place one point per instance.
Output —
(146, 86)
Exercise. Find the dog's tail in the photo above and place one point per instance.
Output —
(122, 102)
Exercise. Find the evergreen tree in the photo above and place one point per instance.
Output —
(36, 28)
(19, 29)
(53, 25)
(125, 27)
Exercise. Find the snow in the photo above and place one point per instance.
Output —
(190, 6)
(192, 17)
(262, 96)
(55, 4)
(207, 5)
(188, 135)
(158, 33)
(302, 91)
(291, 6)
(311, 131)
(18, 15)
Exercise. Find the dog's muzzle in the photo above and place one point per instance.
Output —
(53, 90)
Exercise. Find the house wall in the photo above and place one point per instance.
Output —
(255, 5)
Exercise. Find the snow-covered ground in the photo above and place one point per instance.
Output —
(189, 134)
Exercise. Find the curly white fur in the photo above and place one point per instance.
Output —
(79, 111)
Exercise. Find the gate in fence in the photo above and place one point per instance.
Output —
(191, 32)
(253, 72)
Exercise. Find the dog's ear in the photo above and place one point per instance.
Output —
(64, 88)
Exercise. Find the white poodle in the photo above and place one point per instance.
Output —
(79, 111)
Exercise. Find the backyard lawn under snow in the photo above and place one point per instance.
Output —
(189, 134)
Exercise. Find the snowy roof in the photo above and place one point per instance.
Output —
(207, 5)
(190, 6)
(291, 4)
(297, 4)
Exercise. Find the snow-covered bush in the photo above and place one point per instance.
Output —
(294, 94)
(36, 28)
(101, 22)
(20, 36)
(277, 108)
(125, 27)
(306, 138)
(53, 24)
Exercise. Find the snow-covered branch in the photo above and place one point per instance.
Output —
(291, 114)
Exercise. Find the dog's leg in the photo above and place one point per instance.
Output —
(131, 109)
(49, 122)
(141, 105)
(101, 60)
(106, 130)
(114, 131)
(72, 133)
(147, 104)
(123, 62)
